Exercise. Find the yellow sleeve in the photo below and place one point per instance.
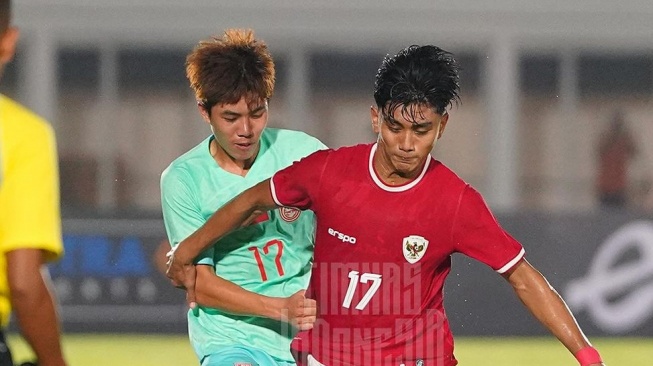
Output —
(29, 209)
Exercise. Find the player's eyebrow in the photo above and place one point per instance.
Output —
(230, 113)
(258, 109)
(426, 124)
(390, 119)
(414, 125)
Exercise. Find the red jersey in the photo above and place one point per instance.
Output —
(382, 254)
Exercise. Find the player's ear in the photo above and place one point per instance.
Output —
(204, 112)
(374, 114)
(443, 124)
(8, 44)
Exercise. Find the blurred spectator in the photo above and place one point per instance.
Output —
(616, 151)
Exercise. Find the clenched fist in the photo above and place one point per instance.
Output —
(299, 311)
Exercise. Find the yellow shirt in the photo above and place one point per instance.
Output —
(29, 189)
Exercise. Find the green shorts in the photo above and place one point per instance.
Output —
(242, 356)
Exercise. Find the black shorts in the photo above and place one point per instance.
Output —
(5, 353)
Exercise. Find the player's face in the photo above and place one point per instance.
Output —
(237, 129)
(405, 139)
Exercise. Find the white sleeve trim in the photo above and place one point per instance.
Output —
(512, 262)
(273, 191)
(313, 362)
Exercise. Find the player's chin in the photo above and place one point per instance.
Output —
(407, 170)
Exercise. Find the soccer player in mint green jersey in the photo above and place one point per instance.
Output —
(232, 324)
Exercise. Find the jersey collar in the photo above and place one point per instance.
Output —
(385, 187)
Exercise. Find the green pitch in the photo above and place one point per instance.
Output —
(157, 350)
(548, 351)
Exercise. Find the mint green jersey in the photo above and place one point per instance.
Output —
(272, 256)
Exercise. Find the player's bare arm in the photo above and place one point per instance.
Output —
(232, 215)
(33, 305)
(547, 306)
(216, 292)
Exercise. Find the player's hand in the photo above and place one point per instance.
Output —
(181, 272)
(300, 311)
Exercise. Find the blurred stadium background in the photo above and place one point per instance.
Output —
(540, 83)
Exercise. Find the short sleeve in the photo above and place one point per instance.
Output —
(477, 234)
(29, 213)
(298, 185)
(181, 211)
(319, 145)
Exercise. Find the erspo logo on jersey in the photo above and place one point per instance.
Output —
(631, 282)
(343, 237)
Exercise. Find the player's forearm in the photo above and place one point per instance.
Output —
(231, 216)
(36, 313)
(216, 292)
(548, 307)
(550, 310)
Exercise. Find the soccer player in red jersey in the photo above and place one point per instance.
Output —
(389, 217)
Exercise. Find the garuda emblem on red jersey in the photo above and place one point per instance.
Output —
(414, 248)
